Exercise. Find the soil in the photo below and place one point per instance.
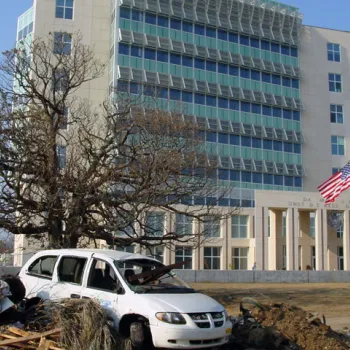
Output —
(287, 316)
(328, 299)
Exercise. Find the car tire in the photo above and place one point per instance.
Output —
(136, 341)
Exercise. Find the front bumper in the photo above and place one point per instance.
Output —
(184, 337)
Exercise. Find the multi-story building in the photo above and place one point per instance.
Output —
(270, 95)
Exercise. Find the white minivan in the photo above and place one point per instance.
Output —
(144, 299)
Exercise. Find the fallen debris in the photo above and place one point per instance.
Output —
(72, 324)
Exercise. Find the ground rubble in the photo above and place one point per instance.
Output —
(282, 327)
(82, 324)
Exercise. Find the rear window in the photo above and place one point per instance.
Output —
(43, 266)
(71, 269)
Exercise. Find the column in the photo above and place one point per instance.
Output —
(292, 238)
(346, 240)
(296, 230)
(321, 240)
(261, 238)
(273, 241)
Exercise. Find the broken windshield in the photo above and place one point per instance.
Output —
(151, 276)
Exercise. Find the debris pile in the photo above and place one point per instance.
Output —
(75, 324)
(282, 327)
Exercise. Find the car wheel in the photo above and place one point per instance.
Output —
(136, 339)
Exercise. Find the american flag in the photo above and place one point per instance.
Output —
(335, 185)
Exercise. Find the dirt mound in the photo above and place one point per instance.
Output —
(282, 327)
(300, 327)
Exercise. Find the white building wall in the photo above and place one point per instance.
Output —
(316, 126)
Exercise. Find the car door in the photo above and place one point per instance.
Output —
(38, 277)
(103, 285)
(68, 276)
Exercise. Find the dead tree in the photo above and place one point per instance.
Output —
(73, 172)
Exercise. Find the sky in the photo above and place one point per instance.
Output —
(322, 13)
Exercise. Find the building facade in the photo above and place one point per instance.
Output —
(270, 95)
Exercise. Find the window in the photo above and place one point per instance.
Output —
(187, 96)
(340, 228)
(266, 77)
(199, 29)
(284, 257)
(137, 15)
(62, 119)
(239, 226)
(199, 63)
(313, 257)
(337, 114)
(62, 43)
(333, 52)
(212, 258)
(335, 84)
(157, 253)
(222, 34)
(150, 18)
(154, 224)
(175, 24)
(312, 225)
(124, 49)
(187, 61)
(210, 32)
(102, 276)
(240, 258)
(163, 21)
(211, 226)
(162, 56)
(338, 145)
(43, 266)
(233, 38)
(183, 254)
(125, 12)
(284, 224)
(183, 224)
(340, 254)
(335, 170)
(71, 269)
(61, 156)
(136, 51)
(64, 9)
(60, 80)
(244, 40)
(174, 58)
(187, 27)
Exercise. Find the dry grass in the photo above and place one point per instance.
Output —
(83, 324)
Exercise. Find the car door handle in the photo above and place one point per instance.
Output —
(75, 296)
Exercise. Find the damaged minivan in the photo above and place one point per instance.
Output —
(147, 302)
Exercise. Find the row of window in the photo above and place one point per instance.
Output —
(209, 100)
(254, 142)
(210, 32)
(25, 31)
(208, 65)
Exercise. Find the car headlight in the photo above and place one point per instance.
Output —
(171, 317)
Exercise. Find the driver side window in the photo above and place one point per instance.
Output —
(102, 276)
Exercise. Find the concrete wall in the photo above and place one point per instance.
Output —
(211, 276)
(215, 276)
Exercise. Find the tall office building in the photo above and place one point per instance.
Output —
(269, 94)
